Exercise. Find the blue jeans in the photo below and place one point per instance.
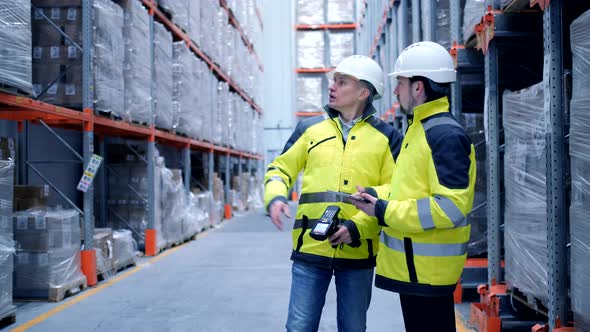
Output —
(309, 285)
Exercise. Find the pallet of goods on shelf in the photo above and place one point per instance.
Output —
(163, 64)
(7, 244)
(173, 205)
(580, 161)
(136, 67)
(341, 45)
(56, 58)
(472, 14)
(310, 93)
(310, 49)
(340, 11)
(124, 249)
(48, 264)
(525, 222)
(310, 12)
(15, 46)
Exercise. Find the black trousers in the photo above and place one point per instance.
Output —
(425, 313)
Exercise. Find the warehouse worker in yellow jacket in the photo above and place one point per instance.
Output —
(425, 230)
(345, 146)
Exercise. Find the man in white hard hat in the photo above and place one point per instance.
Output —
(345, 146)
(424, 227)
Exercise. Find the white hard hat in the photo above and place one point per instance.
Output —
(362, 68)
(426, 59)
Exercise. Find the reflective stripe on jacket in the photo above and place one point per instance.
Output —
(425, 230)
(329, 163)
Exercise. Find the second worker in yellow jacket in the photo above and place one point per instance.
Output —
(425, 230)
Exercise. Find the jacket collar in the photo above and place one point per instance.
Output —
(369, 110)
(426, 110)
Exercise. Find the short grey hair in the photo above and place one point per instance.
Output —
(368, 86)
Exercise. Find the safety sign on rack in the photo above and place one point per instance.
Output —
(89, 173)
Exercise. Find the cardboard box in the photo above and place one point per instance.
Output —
(27, 197)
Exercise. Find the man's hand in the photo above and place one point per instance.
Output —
(342, 235)
(277, 209)
(368, 208)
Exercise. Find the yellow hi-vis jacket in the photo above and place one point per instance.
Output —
(329, 163)
(425, 230)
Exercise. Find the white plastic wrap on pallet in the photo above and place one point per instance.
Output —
(443, 23)
(309, 93)
(255, 194)
(472, 14)
(181, 87)
(163, 60)
(7, 244)
(137, 63)
(194, 21)
(340, 11)
(219, 116)
(124, 248)
(310, 12)
(478, 241)
(173, 205)
(196, 216)
(179, 10)
(310, 49)
(109, 85)
(208, 14)
(49, 254)
(341, 46)
(580, 157)
(15, 45)
(525, 222)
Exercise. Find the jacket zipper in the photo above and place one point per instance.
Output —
(320, 142)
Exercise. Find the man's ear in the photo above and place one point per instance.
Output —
(417, 88)
(365, 93)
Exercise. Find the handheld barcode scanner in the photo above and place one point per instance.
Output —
(327, 225)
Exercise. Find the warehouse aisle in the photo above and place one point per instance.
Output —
(235, 278)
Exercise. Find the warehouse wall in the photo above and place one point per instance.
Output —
(279, 63)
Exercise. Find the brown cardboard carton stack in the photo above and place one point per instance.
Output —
(57, 59)
(28, 197)
(49, 255)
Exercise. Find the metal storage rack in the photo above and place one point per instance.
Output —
(382, 34)
(327, 28)
(24, 110)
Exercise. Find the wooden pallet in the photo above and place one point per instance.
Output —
(52, 294)
(14, 91)
(121, 266)
(8, 317)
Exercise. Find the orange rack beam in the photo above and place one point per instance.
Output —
(308, 114)
(313, 70)
(17, 108)
(153, 9)
(348, 26)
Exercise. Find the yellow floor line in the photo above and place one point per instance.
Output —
(94, 290)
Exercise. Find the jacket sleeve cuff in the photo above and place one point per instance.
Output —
(278, 198)
(354, 233)
(371, 191)
(380, 208)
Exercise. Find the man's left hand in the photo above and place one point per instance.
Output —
(342, 235)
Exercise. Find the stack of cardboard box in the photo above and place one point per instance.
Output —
(57, 61)
(49, 255)
(6, 234)
(28, 197)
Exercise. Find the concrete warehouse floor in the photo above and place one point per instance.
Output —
(233, 278)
